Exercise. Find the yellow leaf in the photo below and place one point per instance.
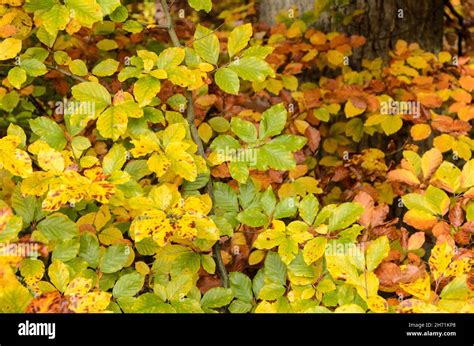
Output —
(440, 259)
(159, 164)
(314, 249)
(377, 304)
(444, 57)
(51, 160)
(419, 219)
(256, 257)
(14, 160)
(417, 62)
(420, 131)
(351, 110)
(349, 309)
(443, 142)
(430, 161)
(271, 237)
(205, 132)
(9, 48)
(335, 57)
(182, 163)
(420, 288)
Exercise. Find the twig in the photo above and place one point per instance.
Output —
(208, 34)
(216, 250)
(66, 73)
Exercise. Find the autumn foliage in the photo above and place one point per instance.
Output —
(149, 163)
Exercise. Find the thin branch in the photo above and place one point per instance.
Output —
(216, 250)
(66, 73)
(208, 34)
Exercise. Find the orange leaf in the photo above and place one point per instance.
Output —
(416, 240)
(403, 176)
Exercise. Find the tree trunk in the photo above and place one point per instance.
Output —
(382, 23)
(269, 9)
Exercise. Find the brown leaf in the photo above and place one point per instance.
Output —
(416, 241)
(456, 215)
(314, 138)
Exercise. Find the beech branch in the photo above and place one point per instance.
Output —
(216, 249)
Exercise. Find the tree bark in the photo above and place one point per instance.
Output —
(382, 23)
(269, 9)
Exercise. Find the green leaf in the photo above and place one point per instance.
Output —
(251, 69)
(239, 171)
(225, 197)
(89, 249)
(241, 286)
(59, 275)
(438, 199)
(227, 80)
(128, 285)
(145, 89)
(253, 217)
(268, 201)
(106, 68)
(49, 131)
(33, 67)
(57, 227)
(456, 289)
(30, 268)
(391, 124)
(271, 291)
(15, 299)
(199, 5)
(78, 67)
(467, 174)
(17, 76)
(273, 121)
(170, 58)
(275, 156)
(244, 129)
(260, 52)
(240, 307)
(108, 6)
(112, 123)
(286, 208)
(447, 177)
(239, 38)
(308, 208)
(115, 159)
(206, 44)
(25, 206)
(86, 12)
(208, 263)
(274, 269)
(344, 215)
(224, 142)
(92, 92)
(376, 252)
(66, 250)
(217, 297)
(290, 142)
(114, 258)
(55, 19)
